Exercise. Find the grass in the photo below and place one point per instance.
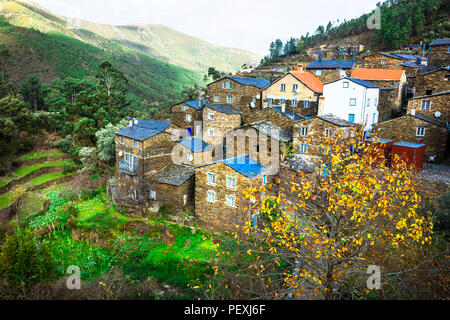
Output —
(48, 177)
(5, 199)
(36, 155)
(23, 171)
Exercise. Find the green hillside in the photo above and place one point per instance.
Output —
(157, 41)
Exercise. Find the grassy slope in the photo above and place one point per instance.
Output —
(54, 54)
(35, 155)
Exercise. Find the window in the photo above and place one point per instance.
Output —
(183, 107)
(227, 85)
(135, 143)
(212, 178)
(231, 182)
(211, 116)
(448, 49)
(188, 118)
(264, 180)
(303, 148)
(428, 92)
(351, 117)
(327, 132)
(216, 98)
(294, 87)
(304, 131)
(198, 129)
(345, 84)
(318, 73)
(342, 74)
(383, 61)
(368, 102)
(152, 194)
(426, 105)
(211, 196)
(122, 139)
(420, 132)
(283, 87)
(293, 103)
(352, 102)
(231, 201)
(211, 132)
(190, 157)
(229, 98)
(375, 102)
(373, 118)
(306, 104)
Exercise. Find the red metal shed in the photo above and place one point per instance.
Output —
(381, 147)
(411, 153)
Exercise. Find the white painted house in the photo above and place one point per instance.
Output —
(352, 99)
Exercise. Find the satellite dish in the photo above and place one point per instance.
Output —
(258, 97)
(437, 114)
(252, 104)
(120, 153)
(135, 121)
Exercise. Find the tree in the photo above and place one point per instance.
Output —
(23, 261)
(106, 147)
(111, 78)
(319, 232)
(30, 90)
(190, 93)
(7, 87)
(215, 74)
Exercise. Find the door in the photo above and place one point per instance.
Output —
(351, 117)
(189, 130)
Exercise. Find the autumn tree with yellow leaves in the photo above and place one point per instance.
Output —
(319, 232)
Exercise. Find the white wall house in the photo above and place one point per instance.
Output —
(351, 99)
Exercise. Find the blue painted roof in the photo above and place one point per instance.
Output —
(194, 104)
(195, 145)
(411, 64)
(363, 83)
(379, 140)
(144, 129)
(245, 165)
(391, 55)
(440, 42)
(256, 82)
(409, 144)
(408, 56)
(288, 113)
(224, 108)
(331, 64)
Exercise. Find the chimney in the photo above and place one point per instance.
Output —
(283, 106)
(413, 110)
(200, 97)
(321, 106)
(130, 122)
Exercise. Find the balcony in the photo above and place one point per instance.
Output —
(126, 167)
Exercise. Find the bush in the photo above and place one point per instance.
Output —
(69, 167)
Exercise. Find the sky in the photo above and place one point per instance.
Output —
(244, 24)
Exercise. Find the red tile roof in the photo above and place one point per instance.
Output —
(377, 74)
(309, 80)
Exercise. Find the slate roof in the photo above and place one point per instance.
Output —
(174, 174)
(331, 64)
(440, 42)
(428, 69)
(309, 80)
(266, 127)
(195, 145)
(194, 104)
(432, 95)
(336, 120)
(144, 129)
(409, 57)
(409, 144)
(224, 108)
(288, 113)
(301, 162)
(428, 119)
(245, 165)
(411, 64)
(256, 82)
(362, 82)
(377, 74)
(391, 55)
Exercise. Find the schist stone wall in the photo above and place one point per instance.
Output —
(329, 75)
(218, 215)
(220, 125)
(179, 116)
(430, 83)
(375, 61)
(405, 129)
(439, 56)
(429, 105)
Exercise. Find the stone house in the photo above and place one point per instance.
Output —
(352, 99)
(193, 151)
(258, 140)
(218, 119)
(143, 148)
(416, 128)
(392, 88)
(435, 106)
(185, 114)
(173, 186)
(309, 133)
(330, 70)
(220, 203)
(300, 91)
(411, 68)
(440, 53)
(382, 60)
(279, 115)
(241, 93)
(430, 80)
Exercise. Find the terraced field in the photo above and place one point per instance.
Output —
(41, 172)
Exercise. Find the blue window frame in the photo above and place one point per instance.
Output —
(352, 102)
(135, 143)
(122, 139)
